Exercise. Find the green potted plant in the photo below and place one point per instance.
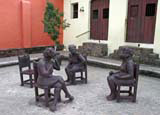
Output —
(53, 21)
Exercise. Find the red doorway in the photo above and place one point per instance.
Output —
(141, 21)
(99, 19)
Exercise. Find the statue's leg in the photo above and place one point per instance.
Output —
(64, 88)
(68, 74)
(56, 97)
(112, 86)
(72, 73)
(74, 69)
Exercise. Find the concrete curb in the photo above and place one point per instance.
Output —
(11, 63)
(96, 63)
(102, 64)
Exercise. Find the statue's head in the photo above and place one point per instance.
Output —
(49, 53)
(72, 49)
(126, 53)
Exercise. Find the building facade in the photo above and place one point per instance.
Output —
(113, 22)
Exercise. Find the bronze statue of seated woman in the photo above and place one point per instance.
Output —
(76, 63)
(46, 78)
(125, 73)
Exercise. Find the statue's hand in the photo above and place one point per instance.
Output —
(111, 72)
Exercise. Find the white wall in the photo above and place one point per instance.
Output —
(79, 25)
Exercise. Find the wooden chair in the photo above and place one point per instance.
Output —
(83, 74)
(25, 69)
(47, 96)
(131, 84)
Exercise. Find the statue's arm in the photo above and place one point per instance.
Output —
(82, 59)
(130, 71)
(43, 71)
(56, 64)
(70, 60)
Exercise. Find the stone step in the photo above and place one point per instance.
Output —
(139, 50)
(94, 49)
(157, 62)
(141, 55)
(153, 56)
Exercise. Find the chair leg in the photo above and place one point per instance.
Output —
(46, 97)
(59, 100)
(86, 77)
(21, 77)
(31, 81)
(73, 79)
(135, 94)
(130, 91)
(118, 93)
(81, 75)
(36, 93)
(49, 93)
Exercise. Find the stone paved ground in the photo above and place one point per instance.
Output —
(89, 99)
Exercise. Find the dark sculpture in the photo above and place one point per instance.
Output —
(59, 57)
(45, 78)
(76, 63)
(126, 72)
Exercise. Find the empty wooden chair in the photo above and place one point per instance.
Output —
(25, 69)
(132, 87)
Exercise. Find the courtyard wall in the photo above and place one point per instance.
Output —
(21, 23)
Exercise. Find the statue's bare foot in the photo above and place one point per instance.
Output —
(71, 98)
(53, 108)
(67, 80)
(111, 97)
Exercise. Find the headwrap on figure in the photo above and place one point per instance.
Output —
(49, 52)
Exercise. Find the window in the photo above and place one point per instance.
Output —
(134, 11)
(75, 10)
(150, 9)
(95, 14)
(106, 13)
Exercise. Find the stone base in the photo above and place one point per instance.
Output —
(94, 49)
(141, 55)
(20, 51)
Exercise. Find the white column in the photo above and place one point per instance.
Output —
(117, 24)
(157, 31)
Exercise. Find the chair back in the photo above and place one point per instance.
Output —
(136, 72)
(24, 61)
(35, 68)
(85, 56)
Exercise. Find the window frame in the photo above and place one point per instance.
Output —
(73, 10)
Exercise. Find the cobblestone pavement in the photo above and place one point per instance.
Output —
(89, 98)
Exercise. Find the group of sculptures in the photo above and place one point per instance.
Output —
(48, 63)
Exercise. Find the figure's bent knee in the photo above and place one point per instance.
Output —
(60, 78)
(109, 78)
(58, 85)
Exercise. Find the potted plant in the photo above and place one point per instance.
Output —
(53, 21)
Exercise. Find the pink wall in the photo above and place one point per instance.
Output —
(21, 23)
